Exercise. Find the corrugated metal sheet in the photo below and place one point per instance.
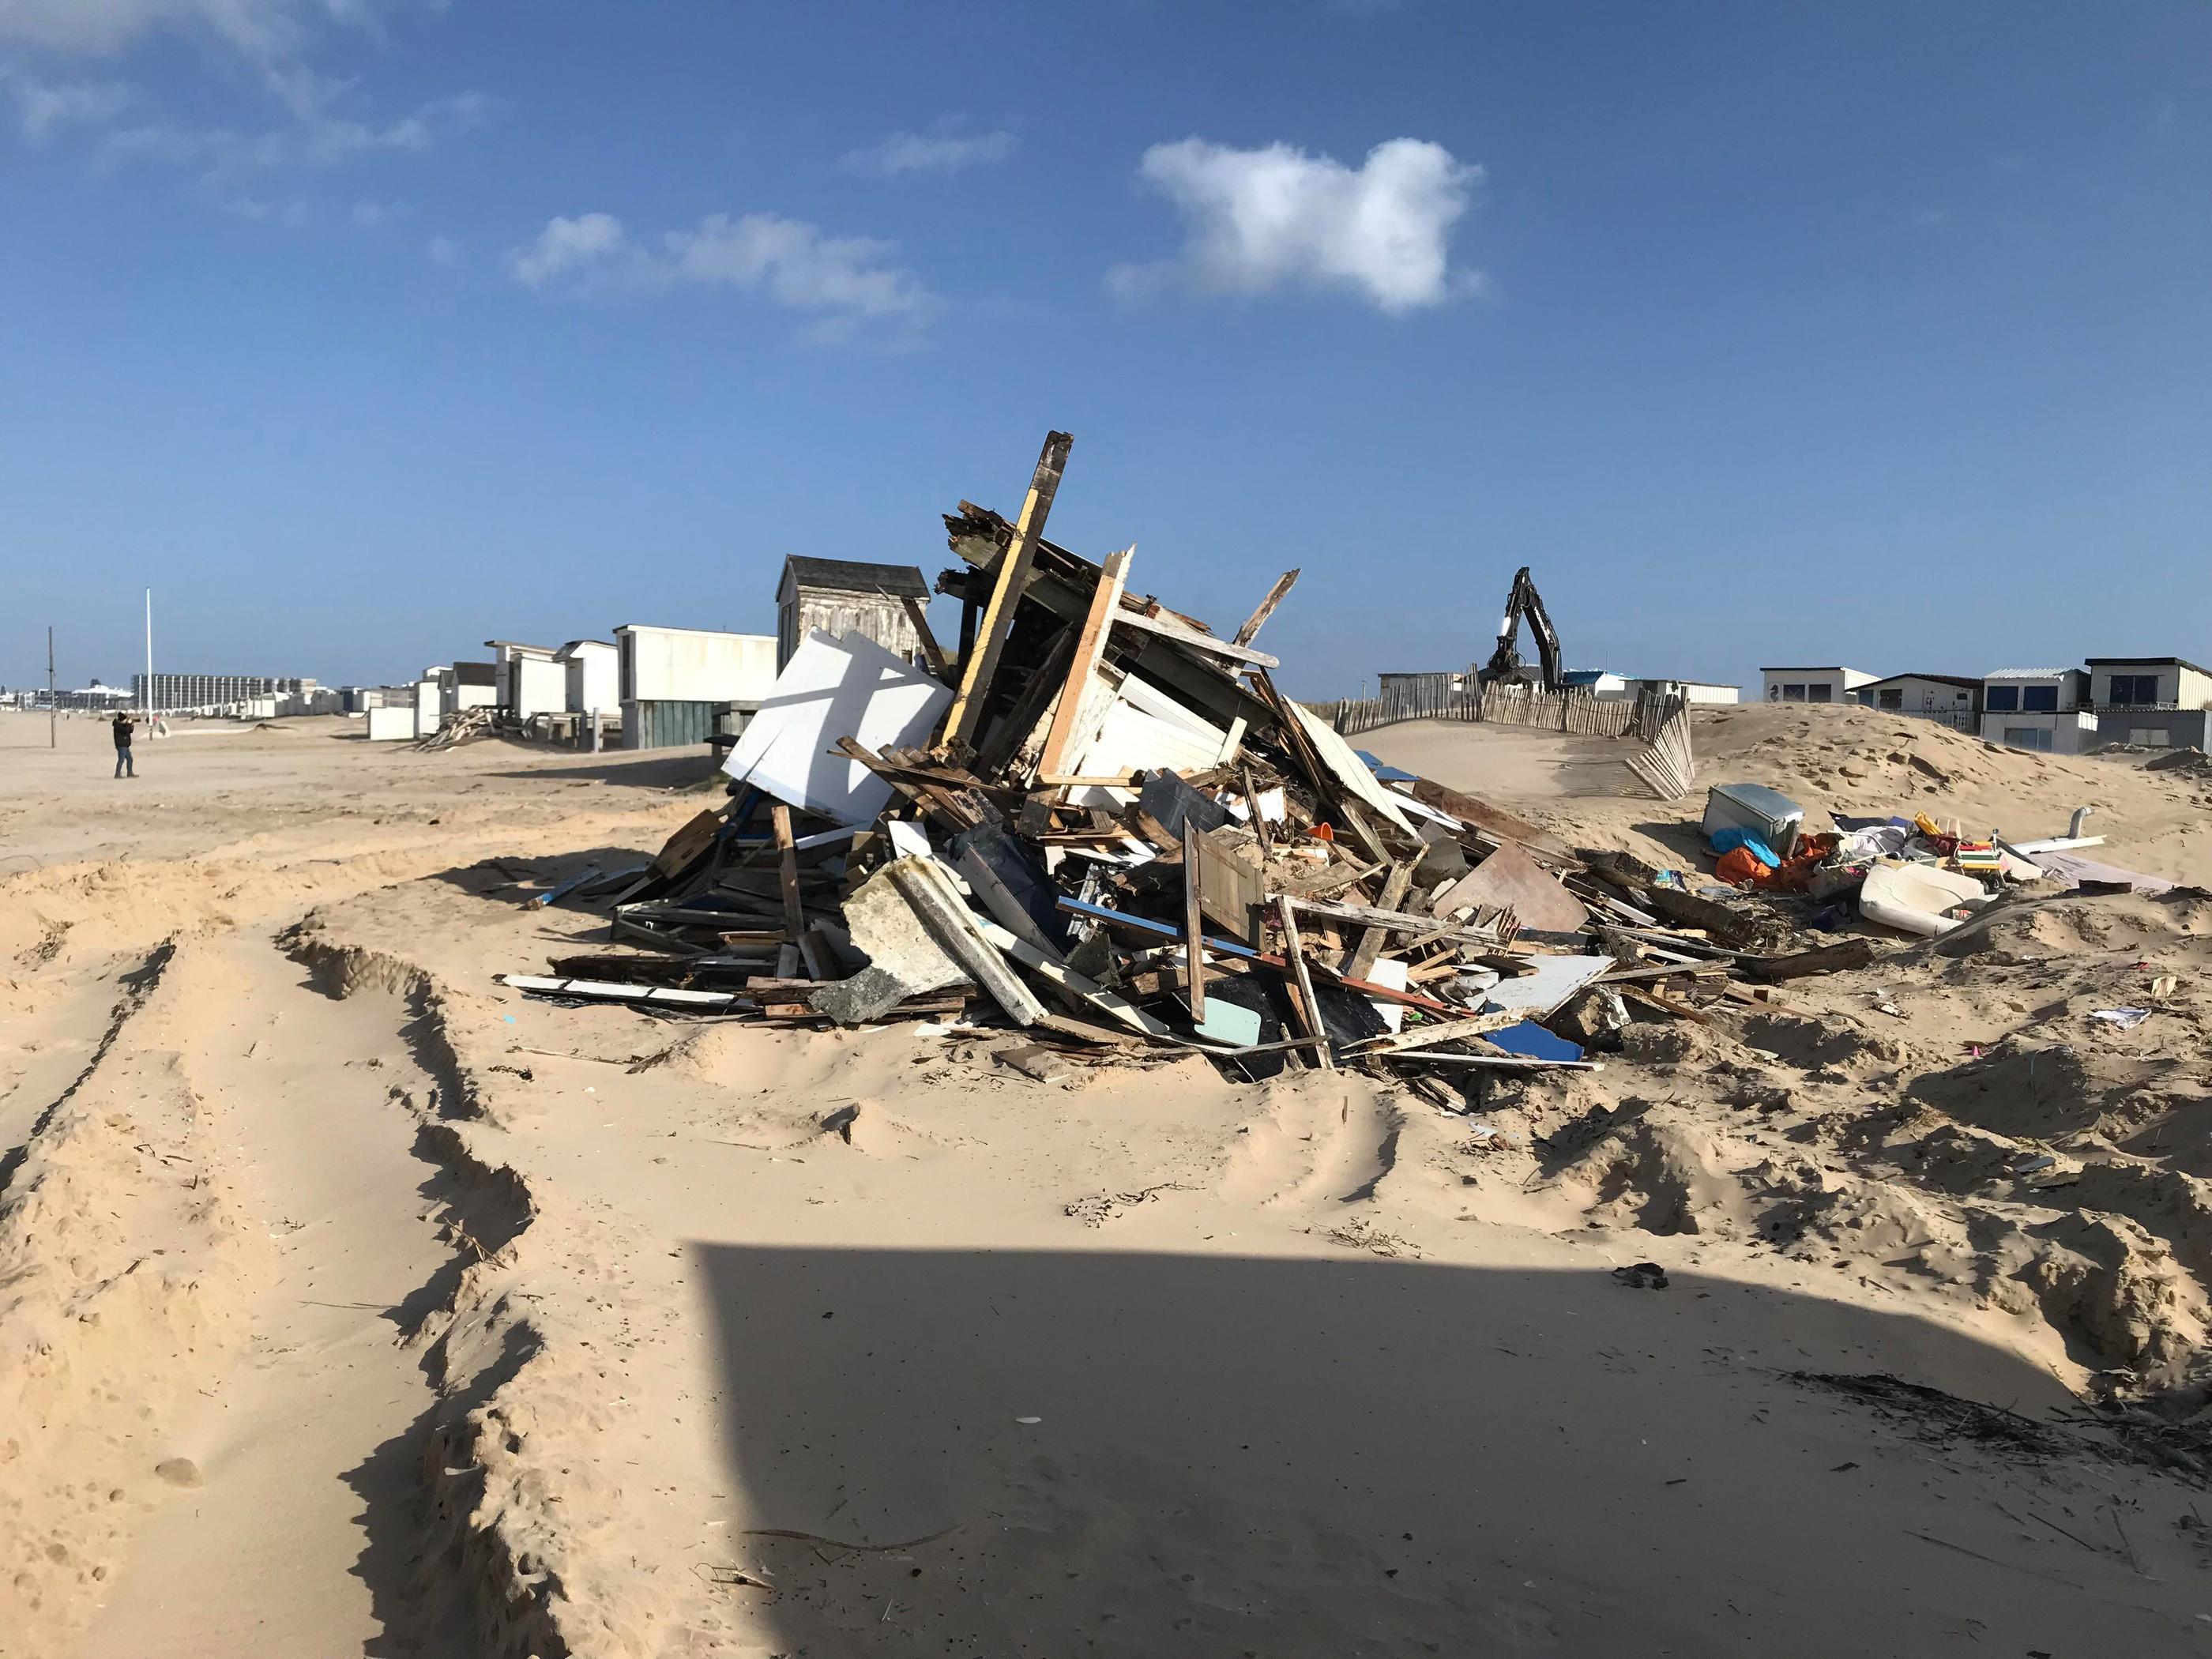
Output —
(667, 725)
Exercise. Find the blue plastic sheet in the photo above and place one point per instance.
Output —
(1727, 840)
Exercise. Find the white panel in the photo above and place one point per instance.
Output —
(1350, 770)
(831, 688)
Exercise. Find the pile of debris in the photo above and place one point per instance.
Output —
(1099, 820)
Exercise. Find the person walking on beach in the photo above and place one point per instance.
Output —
(123, 766)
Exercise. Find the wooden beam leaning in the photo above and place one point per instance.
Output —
(918, 614)
(1361, 962)
(977, 666)
(1302, 983)
(1258, 618)
(1089, 648)
(1193, 924)
(1189, 637)
(794, 913)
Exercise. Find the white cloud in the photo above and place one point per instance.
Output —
(291, 214)
(797, 264)
(442, 250)
(942, 151)
(848, 280)
(1260, 219)
(371, 216)
(589, 238)
(260, 28)
(42, 105)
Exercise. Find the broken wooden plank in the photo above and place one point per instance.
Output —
(918, 614)
(929, 889)
(1497, 823)
(1360, 964)
(794, 911)
(1089, 650)
(595, 990)
(980, 665)
(1309, 1011)
(1190, 639)
(1258, 618)
(1828, 959)
(696, 836)
(1397, 922)
(1450, 1031)
(1650, 997)
(1193, 941)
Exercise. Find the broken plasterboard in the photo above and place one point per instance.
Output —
(1547, 990)
(1131, 740)
(848, 686)
(904, 959)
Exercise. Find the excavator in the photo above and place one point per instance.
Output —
(1505, 665)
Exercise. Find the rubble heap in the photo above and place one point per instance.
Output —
(1099, 820)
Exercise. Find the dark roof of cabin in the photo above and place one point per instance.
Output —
(1964, 682)
(857, 576)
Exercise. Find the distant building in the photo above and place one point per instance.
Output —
(96, 697)
(467, 685)
(2045, 710)
(2156, 702)
(1607, 686)
(1600, 683)
(675, 683)
(527, 680)
(593, 670)
(1954, 699)
(1812, 684)
(172, 693)
(1441, 682)
(840, 596)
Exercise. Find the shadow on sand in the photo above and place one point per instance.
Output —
(1111, 1453)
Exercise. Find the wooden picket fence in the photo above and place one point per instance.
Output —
(1577, 712)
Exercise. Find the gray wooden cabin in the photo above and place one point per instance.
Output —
(843, 596)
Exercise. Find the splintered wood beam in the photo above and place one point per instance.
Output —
(977, 666)
(1191, 639)
(1193, 925)
(1276, 596)
(1089, 648)
(1308, 1011)
(795, 912)
(1361, 964)
(918, 615)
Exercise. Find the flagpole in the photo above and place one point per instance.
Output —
(149, 653)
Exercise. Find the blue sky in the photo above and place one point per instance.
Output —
(367, 330)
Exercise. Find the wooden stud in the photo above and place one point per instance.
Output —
(918, 615)
(1276, 596)
(1308, 1010)
(1361, 965)
(977, 666)
(794, 913)
(1193, 924)
(1089, 650)
(1252, 802)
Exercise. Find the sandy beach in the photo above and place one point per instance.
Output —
(351, 1302)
